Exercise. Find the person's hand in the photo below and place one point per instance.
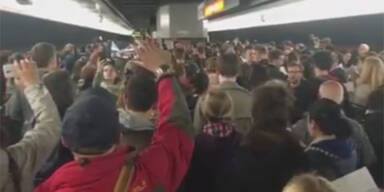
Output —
(151, 55)
(26, 72)
(100, 64)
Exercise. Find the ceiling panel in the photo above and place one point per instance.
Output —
(142, 13)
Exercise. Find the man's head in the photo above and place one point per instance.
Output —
(323, 62)
(252, 55)
(69, 49)
(140, 93)
(295, 74)
(277, 58)
(363, 50)
(228, 65)
(91, 124)
(332, 90)
(44, 54)
(261, 52)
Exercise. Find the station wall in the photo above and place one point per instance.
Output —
(344, 31)
(18, 32)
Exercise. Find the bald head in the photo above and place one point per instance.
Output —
(332, 90)
(363, 49)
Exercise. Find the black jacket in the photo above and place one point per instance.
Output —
(266, 165)
(332, 158)
(303, 99)
(209, 154)
(275, 73)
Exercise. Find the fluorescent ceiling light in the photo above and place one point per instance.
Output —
(294, 12)
(70, 12)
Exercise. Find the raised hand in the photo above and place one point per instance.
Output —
(27, 72)
(151, 55)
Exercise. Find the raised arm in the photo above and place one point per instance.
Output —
(164, 163)
(32, 151)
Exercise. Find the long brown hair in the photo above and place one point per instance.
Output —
(272, 106)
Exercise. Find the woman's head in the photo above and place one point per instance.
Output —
(110, 73)
(216, 106)
(346, 57)
(308, 183)
(325, 118)
(272, 104)
(372, 72)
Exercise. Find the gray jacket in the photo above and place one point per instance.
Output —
(242, 106)
(31, 152)
(365, 154)
(138, 131)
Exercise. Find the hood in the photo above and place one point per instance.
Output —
(134, 123)
(99, 174)
(339, 147)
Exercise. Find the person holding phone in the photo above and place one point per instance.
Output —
(107, 76)
(21, 161)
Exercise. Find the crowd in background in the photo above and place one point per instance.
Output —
(191, 116)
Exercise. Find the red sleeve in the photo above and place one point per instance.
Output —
(164, 163)
(45, 186)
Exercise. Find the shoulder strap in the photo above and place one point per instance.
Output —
(125, 177)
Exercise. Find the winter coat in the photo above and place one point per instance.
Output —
(161, 166)
(211, 150)
(242, 102)
(331, 157)
(365, 153)
(266, 165)
(137, 131)
(30, 153)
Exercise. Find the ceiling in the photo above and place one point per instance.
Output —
(141, 14)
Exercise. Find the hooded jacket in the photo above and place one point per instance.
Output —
(137, 130)
(162, 165)
(332, 157)
(365, 153)
(31, 152)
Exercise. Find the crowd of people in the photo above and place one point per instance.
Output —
(218, 116)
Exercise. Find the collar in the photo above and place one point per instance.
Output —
(323, 138)
(218, 129)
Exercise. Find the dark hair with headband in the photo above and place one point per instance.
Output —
(328, 116)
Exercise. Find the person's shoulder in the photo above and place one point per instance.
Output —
(238, 89)
(67, 170)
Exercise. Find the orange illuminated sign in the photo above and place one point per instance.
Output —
(217, 7)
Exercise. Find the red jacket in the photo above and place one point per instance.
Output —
(162, 165)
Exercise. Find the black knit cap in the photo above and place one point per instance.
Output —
(90, 125)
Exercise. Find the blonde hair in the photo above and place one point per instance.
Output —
(308, 183)
(372, 72)
(216, 105)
